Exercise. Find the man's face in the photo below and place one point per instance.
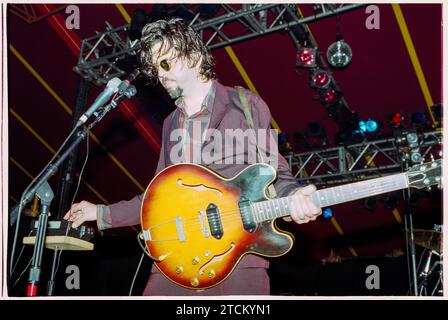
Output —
(174, 73)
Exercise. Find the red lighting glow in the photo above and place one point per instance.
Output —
(396, 119)
(307, 57)
(321, 79)
(331, 96)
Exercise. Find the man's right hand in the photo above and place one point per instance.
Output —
(80, 213)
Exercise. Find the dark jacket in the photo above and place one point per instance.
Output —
(227, 113)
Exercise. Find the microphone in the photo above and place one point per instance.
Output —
(133, 75)
(125, 83)
(103, 97)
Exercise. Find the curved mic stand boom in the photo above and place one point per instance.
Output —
(44, 192)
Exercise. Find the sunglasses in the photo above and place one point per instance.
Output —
(165, 65)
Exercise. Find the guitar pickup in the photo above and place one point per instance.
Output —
(247, 215)
(214, 221)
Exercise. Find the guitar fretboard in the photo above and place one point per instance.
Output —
(275, 208)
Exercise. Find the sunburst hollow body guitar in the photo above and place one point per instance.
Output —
(197, 225)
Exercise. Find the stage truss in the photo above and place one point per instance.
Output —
(358, 161)
(100, 54)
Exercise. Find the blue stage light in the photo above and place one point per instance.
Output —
(371, 125)
(362, 126)
(327, 213)
(367, 126)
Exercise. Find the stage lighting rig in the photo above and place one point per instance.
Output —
(306, 57)
(339, 53)
(320, 78)
(408, 143)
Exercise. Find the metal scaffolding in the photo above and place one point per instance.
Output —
(31, 14)
(100, 53)
(355, 162)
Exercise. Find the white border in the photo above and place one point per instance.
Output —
(4, 167)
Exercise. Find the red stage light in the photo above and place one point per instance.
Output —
(396, 119)
(306, 57)
(331, 96)
(321, 79)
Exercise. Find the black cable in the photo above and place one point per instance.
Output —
(136, 273)
(53, 274)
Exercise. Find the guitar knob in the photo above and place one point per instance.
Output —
(179, 269)
(195, 260)
(211, 274)
(194, 282)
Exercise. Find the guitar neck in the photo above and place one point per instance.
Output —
(275, 208)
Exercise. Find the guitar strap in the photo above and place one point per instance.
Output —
(250, 122)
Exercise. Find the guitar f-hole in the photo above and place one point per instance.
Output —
(198, 187)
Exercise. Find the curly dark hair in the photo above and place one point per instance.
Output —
(187, 44)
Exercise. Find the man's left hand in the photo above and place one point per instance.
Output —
(302, 207)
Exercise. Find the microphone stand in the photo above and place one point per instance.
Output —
(44, 192)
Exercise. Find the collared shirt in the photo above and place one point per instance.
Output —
(193, 127)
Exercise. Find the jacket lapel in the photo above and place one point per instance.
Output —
(220, 106)
(169, 144)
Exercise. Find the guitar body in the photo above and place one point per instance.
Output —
(193, 224)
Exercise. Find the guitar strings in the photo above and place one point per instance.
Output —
(229, 216)
(225, 215)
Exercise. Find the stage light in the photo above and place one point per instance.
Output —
(320, 79)
(420, 120)
(371, 125)
(316, 135)
(409, 139)
(339, 54)
(396, 120)
(333, 111)
(349, 132)
(316, 129)
(418, 117)
(370, 203)
(284, 146)
(362, 126)
(437, 112)
(331, 96)
(306, 57)
(390, 202)
(327, 213)
(368, 126)
(282, 138)
(323, 7)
